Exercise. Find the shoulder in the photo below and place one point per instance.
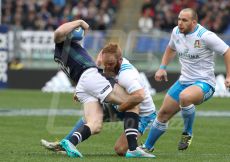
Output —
(127, 70)
(126, 66)
(176, 30)
(208, 36)
(127, 76)
(203, 32)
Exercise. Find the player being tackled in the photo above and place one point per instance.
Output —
(92, 89)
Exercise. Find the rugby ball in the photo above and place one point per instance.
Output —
(78, 34)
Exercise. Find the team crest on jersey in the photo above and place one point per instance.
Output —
(197, 44)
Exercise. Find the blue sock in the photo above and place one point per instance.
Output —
(188, 114)
(155, 132)
(79, 124)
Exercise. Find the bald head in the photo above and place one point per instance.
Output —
(192, 12)
(187, 20)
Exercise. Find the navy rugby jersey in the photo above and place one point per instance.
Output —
(74, 59)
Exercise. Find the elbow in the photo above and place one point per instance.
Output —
(57, 35)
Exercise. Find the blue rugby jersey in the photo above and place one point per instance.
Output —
(73, 59)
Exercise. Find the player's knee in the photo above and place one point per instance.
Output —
(185, 99)
(163, 116)
(120, 150)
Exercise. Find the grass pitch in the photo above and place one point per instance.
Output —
(20, 135)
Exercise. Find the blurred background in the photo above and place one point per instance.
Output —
(141, 27)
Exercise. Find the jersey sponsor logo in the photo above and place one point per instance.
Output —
(107, 87)
(197, 44)
(186, 55)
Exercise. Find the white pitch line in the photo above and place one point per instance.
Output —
(213, 113)
(76, 112)
(40, 112)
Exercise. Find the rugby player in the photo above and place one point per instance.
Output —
(129, 78)
(195, 47)
(110, 58)
(91, 89)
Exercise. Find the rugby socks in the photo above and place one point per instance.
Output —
(80, 135)
(79, 124)
(157, 129)
(131, 129)
(188, 115)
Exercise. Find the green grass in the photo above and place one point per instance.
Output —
(20, 138)
(26, 99)
(17, 99)
(20, 135)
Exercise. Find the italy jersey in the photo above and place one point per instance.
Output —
(129, 78)
(196, 54)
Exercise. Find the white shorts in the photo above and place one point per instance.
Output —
(92, 86)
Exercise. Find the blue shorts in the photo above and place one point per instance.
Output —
(177, 88)
(145, 121)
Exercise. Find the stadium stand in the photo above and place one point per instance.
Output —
(150, 44)
(47, 15)
(31, 23)
(212, 14)
(94, 41)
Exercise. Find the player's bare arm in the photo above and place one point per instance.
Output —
(62, 31)
(133, 100)
(161, 73)
(227, 64)
(126, 101)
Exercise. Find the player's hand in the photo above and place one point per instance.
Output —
(160, 75)
(84, 24)
(227, 82)
(75, 97)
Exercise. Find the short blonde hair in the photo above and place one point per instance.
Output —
(112, 48)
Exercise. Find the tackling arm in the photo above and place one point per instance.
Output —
(126, 101)
(62, 31)
(132, 100)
